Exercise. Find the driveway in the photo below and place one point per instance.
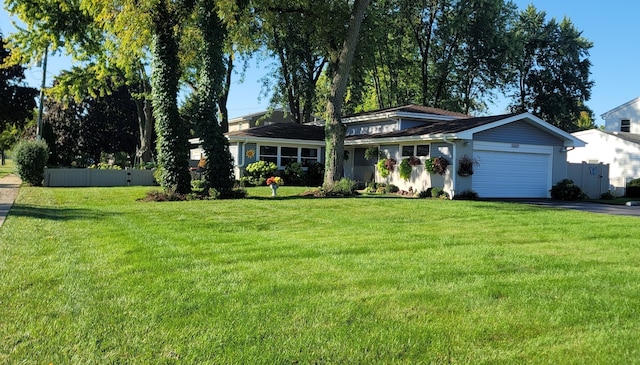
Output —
(584, 206)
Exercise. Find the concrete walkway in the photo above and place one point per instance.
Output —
(9, 188)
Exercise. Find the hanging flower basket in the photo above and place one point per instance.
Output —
(385, 166)
(465, 165)
(437, 165)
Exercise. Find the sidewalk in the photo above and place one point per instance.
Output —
(9, 187)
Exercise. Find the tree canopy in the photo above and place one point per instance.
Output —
(17, 101)
(333, 58)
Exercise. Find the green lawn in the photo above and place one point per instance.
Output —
(91, 276)
(7, 168)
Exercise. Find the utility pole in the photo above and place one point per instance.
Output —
(44, 81)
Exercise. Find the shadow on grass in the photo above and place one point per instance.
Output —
(54, 214)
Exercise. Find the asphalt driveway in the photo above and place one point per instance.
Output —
(584, 206)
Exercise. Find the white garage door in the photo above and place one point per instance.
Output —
(512, 171)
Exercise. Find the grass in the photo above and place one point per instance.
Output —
(7, 169)
(89, 275)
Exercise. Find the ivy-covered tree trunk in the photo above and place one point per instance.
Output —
(172, 144)
(335, 131)
(218, 172)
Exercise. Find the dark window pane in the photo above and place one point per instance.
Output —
(273, 159)
(309, 152)
(289, 151)
(407, 150)
(422, 150)
(269, 150)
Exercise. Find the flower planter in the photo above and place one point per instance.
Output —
(274, 189)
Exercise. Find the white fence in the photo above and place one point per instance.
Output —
(593, 179)
(69, 177)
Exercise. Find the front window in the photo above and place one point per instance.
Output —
(269, 154)
(282, 156)
(407, 151)
(308, 155)
(288, 155)
(421, 150)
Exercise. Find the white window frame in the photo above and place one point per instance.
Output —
(415, 150)
(279, 156)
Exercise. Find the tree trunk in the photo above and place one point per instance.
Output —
(334, 129)
(172, 145)
(218, 172)
(224, 95)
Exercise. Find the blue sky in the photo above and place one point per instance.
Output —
(611, 28)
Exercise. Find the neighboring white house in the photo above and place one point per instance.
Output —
(618, 145)
(519, 155)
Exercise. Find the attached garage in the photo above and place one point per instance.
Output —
(512, 170)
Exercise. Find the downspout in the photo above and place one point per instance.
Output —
(241, 151)
(453, 173)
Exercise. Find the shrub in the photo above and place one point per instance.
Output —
(607, 196)
(315, 174)
(567, 190)
(634, 182)
(466, 195)
(424, 194)
(31, 158)
(293, 174)
(439, 193)
(258, 172)
(105, 166)
(344, 187)
(392, 189)
(633, 189)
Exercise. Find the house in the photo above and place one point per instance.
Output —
(274, 116)
(518, 155)
(617, 145)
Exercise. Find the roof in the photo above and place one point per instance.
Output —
(457, 128)
(625, 136)
(295, 131)
(412, 108)
(439, 127)
(606, 114)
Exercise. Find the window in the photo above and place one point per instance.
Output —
(288, 155)
(282, 156)
(625, 125)
(421, 150)
(269, 154)
(308, 155)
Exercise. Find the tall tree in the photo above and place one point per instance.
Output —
(81, 131)
(295, 33)
(219, 163)
(340, 65)
(172, 144)
(16, 100)
(552, 70)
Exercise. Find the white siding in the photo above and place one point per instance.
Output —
(622, 156)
